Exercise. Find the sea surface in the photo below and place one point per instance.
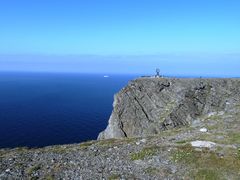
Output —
(41, 109)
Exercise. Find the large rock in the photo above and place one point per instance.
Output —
(147, 106)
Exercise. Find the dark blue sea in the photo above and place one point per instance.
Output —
(41, 109)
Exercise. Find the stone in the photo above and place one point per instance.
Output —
(203, 130)
(138, 143)
(148, 106)
(203, 144)
(143, 140)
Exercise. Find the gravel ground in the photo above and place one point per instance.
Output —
(168, 155)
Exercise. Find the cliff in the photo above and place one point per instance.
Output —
(147, 106)
(172, 129)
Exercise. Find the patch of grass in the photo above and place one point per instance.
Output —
(214, 117)
(108, 142)
(181, 142)
(113, 142)
(197, 161)
(34, 178)
(237, 106)
(33, 169)
(57, 167)
(238, 153)
(114, 177)
(21, 150)
(151, 171)
(234, 137)
(49, 177)
(86, 144)
(174, 131)
(184, 153)
(159, 171)
(19, 164)
(2, 153)
(214, 137)
(59, 149)
(145, 152)
(171, 132)
(229, 137)
(206, 174)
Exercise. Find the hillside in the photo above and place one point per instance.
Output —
(159, 129)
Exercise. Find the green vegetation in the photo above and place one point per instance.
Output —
(207, 174)
(181, 142)
(113, 142)
(184, 153)
(33, 169)
(213, 126)
(87, 144)
(151, 170)
(238, 153)
(21, 149)
(237, 106)
(59, 149)
(2, 153)
(19, 164)
(234, 137)
(114, 177)
(49, 177)
(145, 152)
(228, 137)
(197, 161)
(215, 117)
(108, 142)
(174, 131)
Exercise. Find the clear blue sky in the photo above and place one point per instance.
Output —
(121, 36)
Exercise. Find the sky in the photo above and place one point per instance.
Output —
(181, 37)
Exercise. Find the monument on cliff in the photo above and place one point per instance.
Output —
(157, 73)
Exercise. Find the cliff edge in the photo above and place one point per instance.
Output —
(207, 146)
(147, 106)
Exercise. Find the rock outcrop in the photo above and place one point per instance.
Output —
(207, 148)
(147, 106)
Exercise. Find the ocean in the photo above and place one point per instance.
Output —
(41, 109)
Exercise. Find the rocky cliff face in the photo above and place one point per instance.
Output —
(207, 146)
(147, 106)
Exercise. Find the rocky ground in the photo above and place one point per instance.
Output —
(196, 130)
(209, 148)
